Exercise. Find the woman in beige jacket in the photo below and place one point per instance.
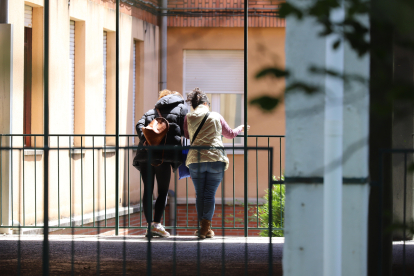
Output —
(206, 166)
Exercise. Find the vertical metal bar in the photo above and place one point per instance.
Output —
(58, 171)
(46, 141)
(11, 181)
(380, 208)
(268, 154)
(129, 215)
(140, 196)
(19, 251)
(186, 200)
(124, 250)
(404, 212)
(257, 186)
(270, 254)
(72, 225)
(98, 244)
(149, 212)
(280, 157)
(174, 231)
(198, 243)
(282, 222)
(24, 216)
(223, 225)
(70, 182)
(246, 25)
(234, 199)
(93, 179)
(81, 156)
(35, 183)
(1, 179)
(105, 176)
(117, 121)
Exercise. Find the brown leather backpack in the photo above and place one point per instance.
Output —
(156, 130)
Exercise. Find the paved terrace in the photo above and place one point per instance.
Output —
(111, 248)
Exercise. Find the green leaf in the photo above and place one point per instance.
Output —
(267, 103)
(287, 9)
(276, 72)
(336, 44)
(301, 86)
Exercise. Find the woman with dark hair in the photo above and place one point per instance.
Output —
(206, 166)
(171, 106)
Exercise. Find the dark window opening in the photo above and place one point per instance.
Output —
(27, 116)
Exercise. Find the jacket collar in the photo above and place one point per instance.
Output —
(169, 100)
(200, 111)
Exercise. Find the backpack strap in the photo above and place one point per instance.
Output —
(200, 126)
(158, 111)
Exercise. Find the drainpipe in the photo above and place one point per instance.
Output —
(334, 89)
(171, 197)
(163, 46)
(4, 11)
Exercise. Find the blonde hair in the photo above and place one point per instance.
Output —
(167, 92)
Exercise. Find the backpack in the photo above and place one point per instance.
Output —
(156, 130)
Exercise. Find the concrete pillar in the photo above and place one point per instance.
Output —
(305, 161)
(5, 121)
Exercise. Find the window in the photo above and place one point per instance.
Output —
(219, 73)
(230, 106)
(134, 78)
(72, 75)
(105, 44)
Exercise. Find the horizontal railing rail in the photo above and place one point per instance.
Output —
(81, 188)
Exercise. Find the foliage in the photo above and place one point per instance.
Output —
(391, 16)
(278, 208)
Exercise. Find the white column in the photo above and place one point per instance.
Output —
(303, 252)
(332, 186)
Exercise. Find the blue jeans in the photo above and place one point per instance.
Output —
(206, 178)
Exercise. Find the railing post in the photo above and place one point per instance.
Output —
(117, 122)
(46, 142)
(246, 25)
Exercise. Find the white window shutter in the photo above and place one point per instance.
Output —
(28, 16)
(213, 70)
(72, 75)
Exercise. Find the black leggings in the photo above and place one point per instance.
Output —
(163, 174)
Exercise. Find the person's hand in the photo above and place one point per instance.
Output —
(248, 127)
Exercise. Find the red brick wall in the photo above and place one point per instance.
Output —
(255, 20)
(181, 222)
(133, 11)
(222, 20)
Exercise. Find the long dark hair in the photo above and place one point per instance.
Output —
(197, 97)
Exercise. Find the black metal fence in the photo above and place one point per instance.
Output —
(83, 200)
(395, 216)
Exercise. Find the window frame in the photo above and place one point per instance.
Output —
(216, 100)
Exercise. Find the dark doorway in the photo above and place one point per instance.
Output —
(27, 117)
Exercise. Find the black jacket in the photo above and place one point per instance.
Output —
(173, 109)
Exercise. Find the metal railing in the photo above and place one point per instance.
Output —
(82, 191)
(395, 221)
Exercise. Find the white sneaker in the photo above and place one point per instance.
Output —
(158, 230)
